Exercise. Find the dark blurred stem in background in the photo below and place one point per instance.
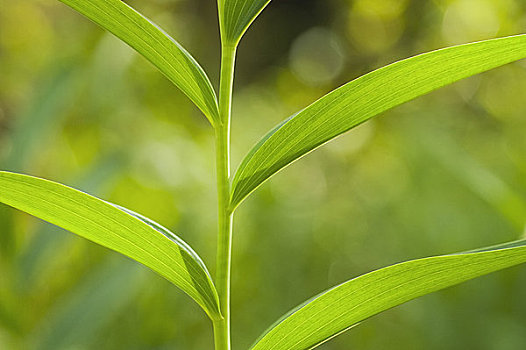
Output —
(224, 240)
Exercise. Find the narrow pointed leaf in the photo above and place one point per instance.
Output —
(344, 306)
(236, 16)
(364, 98)
(156, 46)
(130, 234)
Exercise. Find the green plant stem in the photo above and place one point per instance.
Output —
(224, 239)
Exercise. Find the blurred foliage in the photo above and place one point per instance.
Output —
(444, 173)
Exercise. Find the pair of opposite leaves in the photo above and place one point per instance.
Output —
(339, 308)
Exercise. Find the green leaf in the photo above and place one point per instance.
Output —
(39, 252)
(344, 306)
(103, 223)
(235, 16)
(364, 98)
(156, 46)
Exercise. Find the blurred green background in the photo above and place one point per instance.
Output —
(444, 173)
